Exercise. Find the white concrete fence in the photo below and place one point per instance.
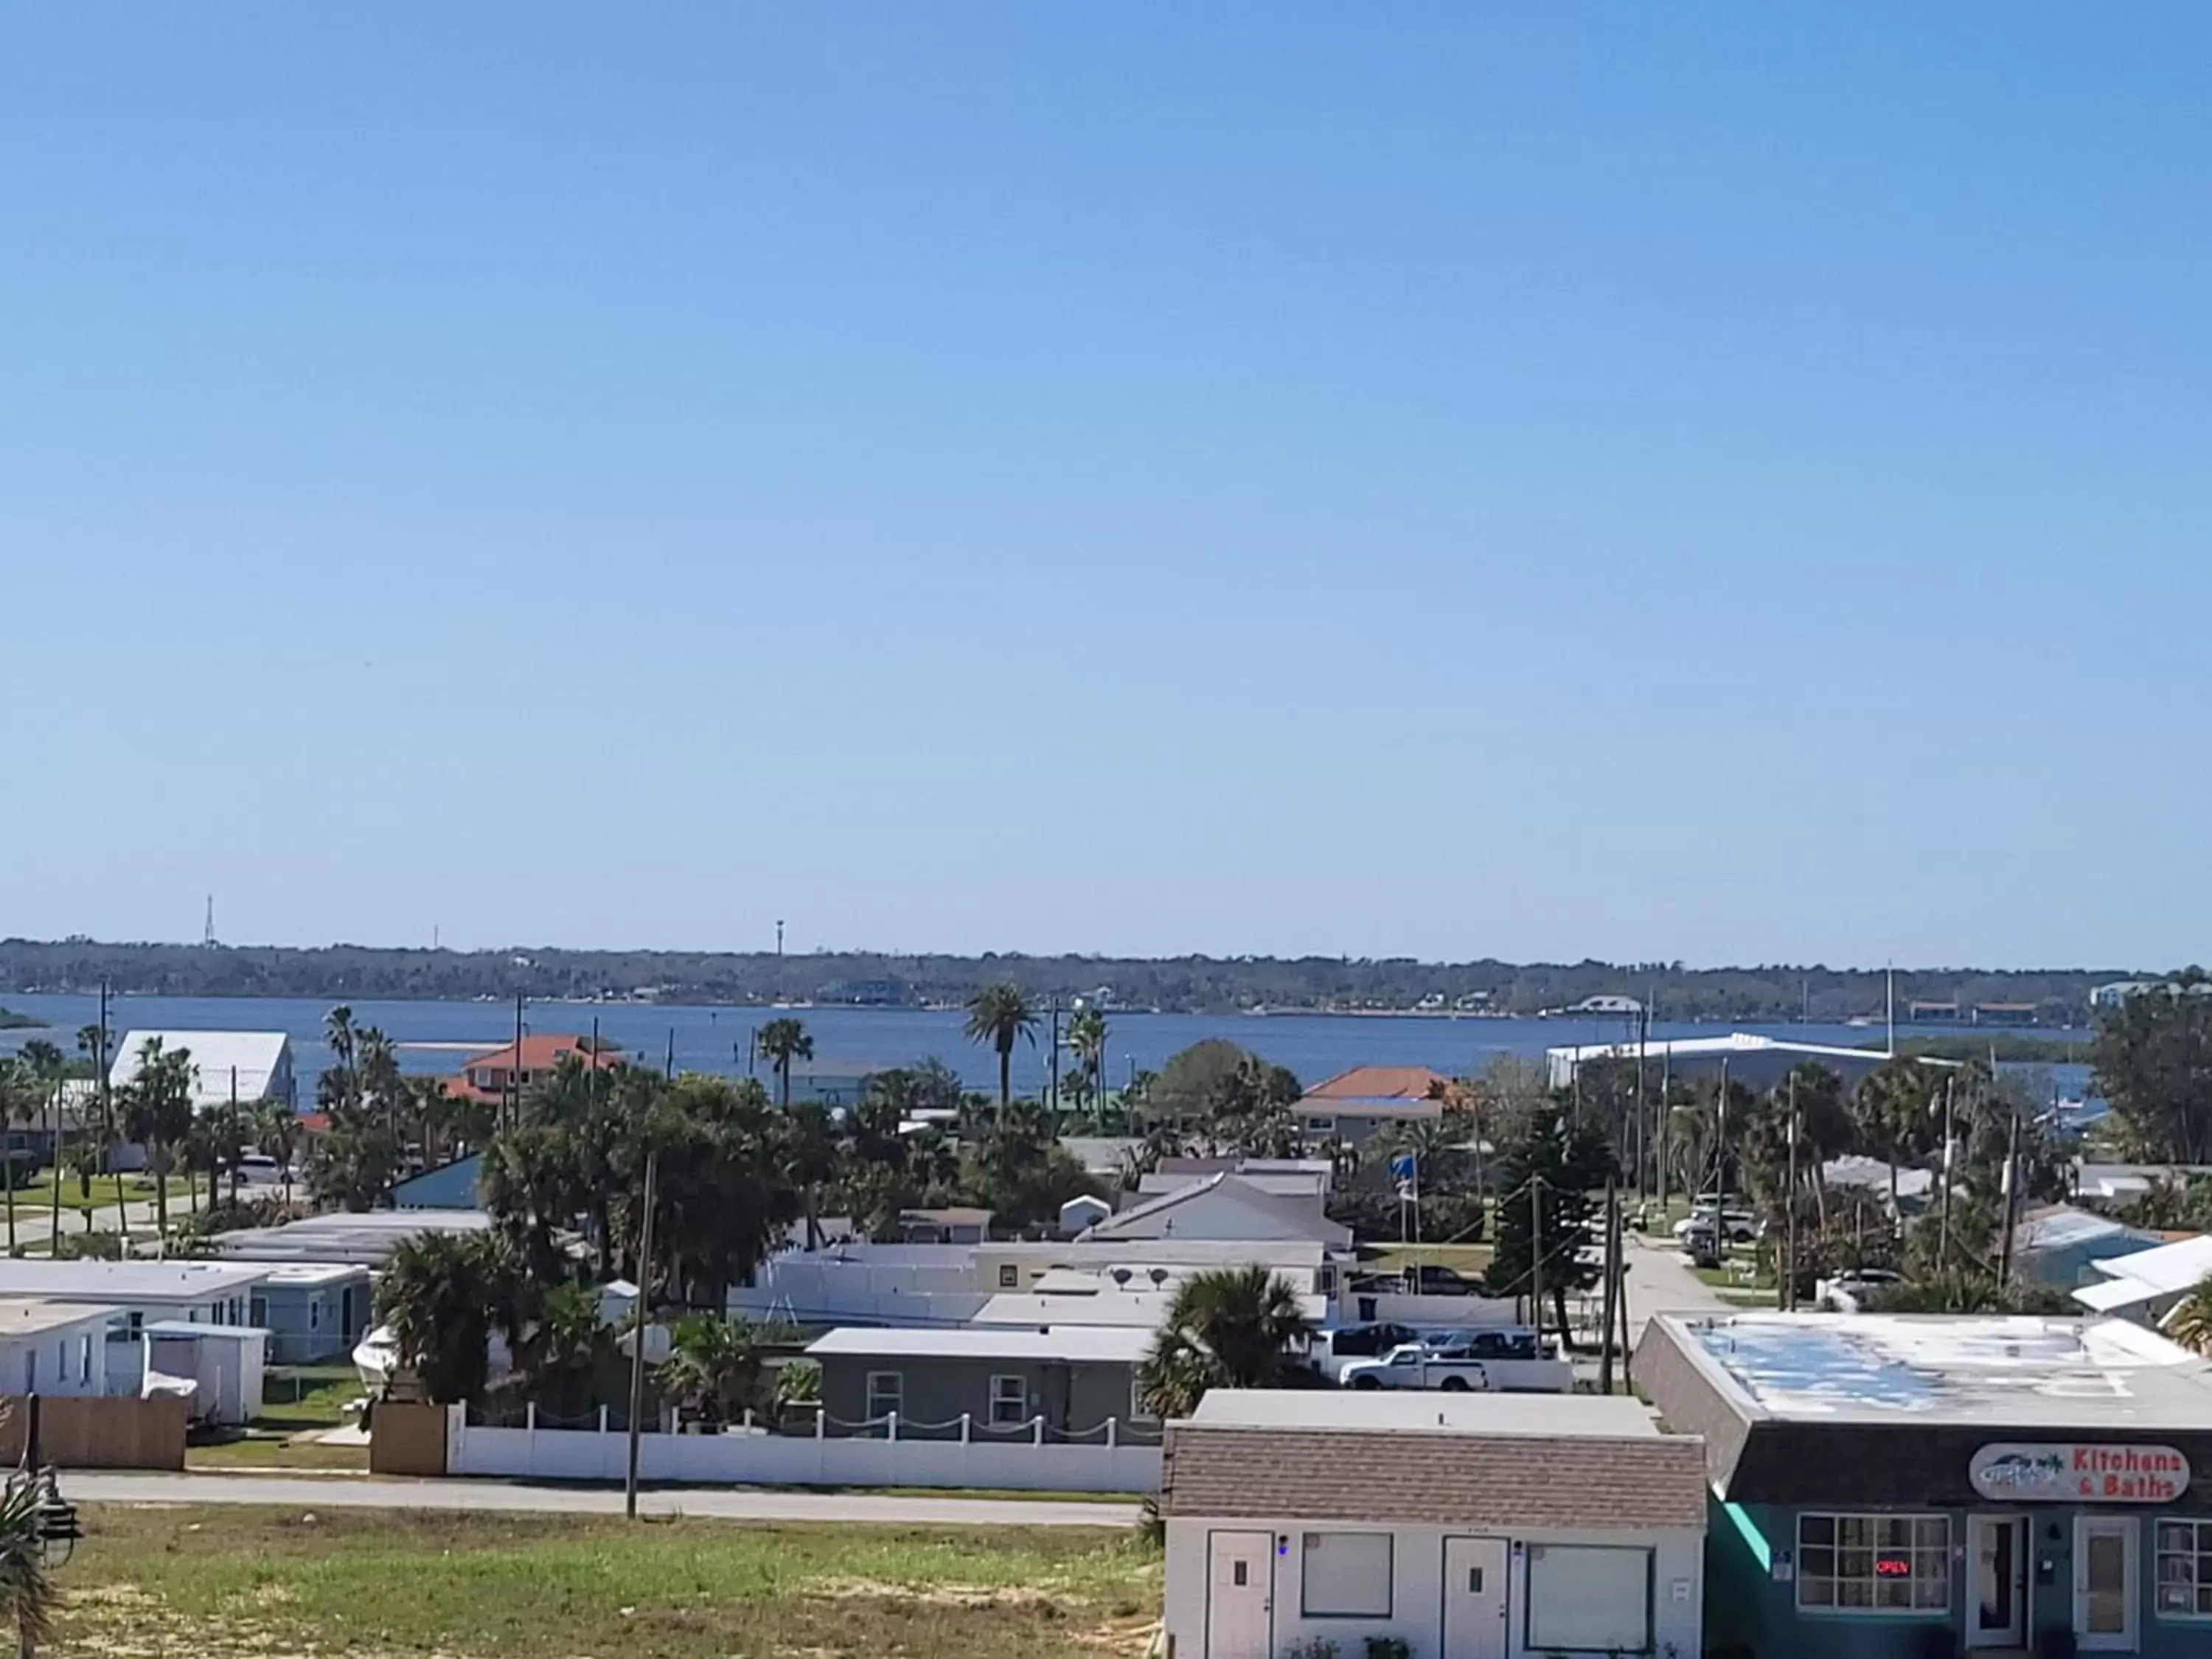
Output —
(757, 1457)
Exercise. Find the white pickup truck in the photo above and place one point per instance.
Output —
(1478, 1362)
(1415, 1366)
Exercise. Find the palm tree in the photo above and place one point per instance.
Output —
(19, 1101)
(1228, 1328)
(276, 1136)
(998, 1014)
(443, 1295)
(784, 1041)
(29, 1598)
(712, 1366)
(47, 1064)
(2190, 1322)
(1086, 1040)
(91, 1042)
(158, 1111)
(1891, 1108)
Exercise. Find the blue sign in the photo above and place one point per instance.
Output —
(1402, 1166)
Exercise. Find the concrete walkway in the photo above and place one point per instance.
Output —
(1660, 1281)
(500, 1497)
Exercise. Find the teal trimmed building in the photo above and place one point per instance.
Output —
(1894, 1487)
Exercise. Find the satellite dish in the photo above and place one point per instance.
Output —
(1121, 1275)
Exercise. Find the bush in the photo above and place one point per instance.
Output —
(1313, 1647)
(1389, 1647)
(90, 1247)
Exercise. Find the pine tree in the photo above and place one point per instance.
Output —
(1548, 1168)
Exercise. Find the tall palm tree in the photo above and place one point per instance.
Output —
(998, 1015)
(784, 1041)
(158, 1110)
(47, 1064)
(1086, 1040)
(1228, 1328)
(19, 1101)
(276, 1136)
(91, 1042)
(29, 1599)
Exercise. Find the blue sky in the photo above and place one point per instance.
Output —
(1724, 484)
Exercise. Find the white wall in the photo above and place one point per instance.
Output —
(1417, 1595)
(62, 1361)
(771, 1460)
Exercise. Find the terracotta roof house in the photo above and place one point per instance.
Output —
(1492, 1525)
(490, 1076)
(1353, 1105)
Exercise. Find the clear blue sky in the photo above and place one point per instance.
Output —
(1723, 483)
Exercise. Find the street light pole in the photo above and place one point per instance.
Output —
(637, 1332)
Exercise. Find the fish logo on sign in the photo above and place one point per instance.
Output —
(2079, 1472)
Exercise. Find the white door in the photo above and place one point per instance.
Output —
(1240, 1572)
(2105, 1583)
(1475, 1614)
(1997, 1590)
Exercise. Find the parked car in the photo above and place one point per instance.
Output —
(1415, 1366)
(1739, 1226)
(1849, 1291)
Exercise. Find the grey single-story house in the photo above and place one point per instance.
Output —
(1067, 1382)
(1884, 1487)
(314, 1312)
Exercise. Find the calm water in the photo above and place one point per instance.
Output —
(1315, 1045)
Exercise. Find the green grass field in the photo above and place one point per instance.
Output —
(227, 1583)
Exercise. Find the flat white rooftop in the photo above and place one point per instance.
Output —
(2163, 1270)
(1601, 1417)
(363, 1239)
(1104, 1343)
(127, 1282)
(32, 1316)
(1124, 1308)
(1907, 1369)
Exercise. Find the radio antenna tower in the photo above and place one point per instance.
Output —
(207, 937)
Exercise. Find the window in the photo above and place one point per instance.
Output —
(1137, 1411)
(31, 1371)
(84, 1358)
(1874, 1563)
(1325, 1281)
(885, 1391)
(258, 1311)
(315, 1313)
(1594, 1598)
(1347, 1575)
(1321, 1126)
(2185, 1569)
(1010, 1276)
(1010, 1401)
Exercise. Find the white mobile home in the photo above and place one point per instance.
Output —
(196, 1292)
(54, 1347)
(1471, 1526)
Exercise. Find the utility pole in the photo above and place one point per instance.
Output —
(1612, 1282)
(2011, 1200)
(637, 1331)
(1537, 1255)
(1789, 1298)
(514, 1072)
(1051, 1085)
(670, 1068)
(1943, 1222)
(779, 936)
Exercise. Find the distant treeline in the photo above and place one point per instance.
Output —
(1178, 983)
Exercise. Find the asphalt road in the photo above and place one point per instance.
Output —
(721, 1503)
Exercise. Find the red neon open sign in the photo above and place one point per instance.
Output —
(1892, 1567)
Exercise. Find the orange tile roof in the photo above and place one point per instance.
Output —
(1378, 1083)
(539, 1054)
